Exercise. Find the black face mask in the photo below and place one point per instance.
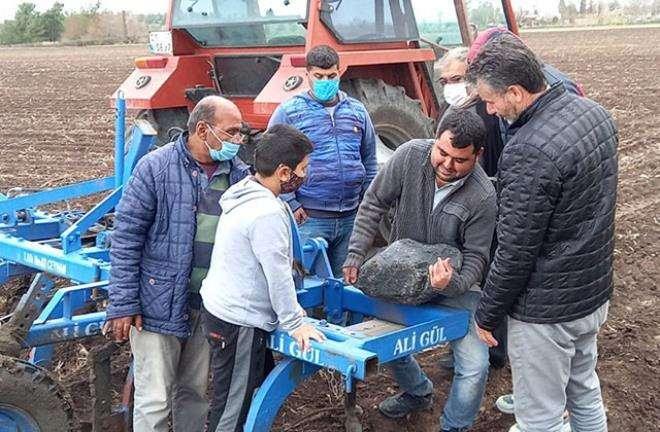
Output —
(293, 184)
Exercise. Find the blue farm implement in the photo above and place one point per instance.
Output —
(75, 246)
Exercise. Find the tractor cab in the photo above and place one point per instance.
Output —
(253, 52)
(237, 23)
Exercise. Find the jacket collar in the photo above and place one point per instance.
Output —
(543, 101)
(181, 145)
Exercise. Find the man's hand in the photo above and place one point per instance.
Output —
(300, 216)
(351, 274)
(304, 333)
(440, 273)
(486, 337)
(121, 327)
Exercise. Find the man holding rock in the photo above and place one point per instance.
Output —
(441, 195)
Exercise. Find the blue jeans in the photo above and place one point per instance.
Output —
(336, 231)
(470, 371)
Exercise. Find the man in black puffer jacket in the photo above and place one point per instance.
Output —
(552, 270)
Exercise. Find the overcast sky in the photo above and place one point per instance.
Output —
(8, 7)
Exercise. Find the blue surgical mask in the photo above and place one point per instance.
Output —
(228, 151)
(325, 89)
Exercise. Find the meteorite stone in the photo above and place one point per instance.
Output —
(399, 273)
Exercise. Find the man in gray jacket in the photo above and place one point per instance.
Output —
(440, 195)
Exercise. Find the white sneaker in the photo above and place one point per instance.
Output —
(504, 403)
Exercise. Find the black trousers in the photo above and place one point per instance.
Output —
(238, 367)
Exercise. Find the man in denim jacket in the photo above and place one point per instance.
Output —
(343, 162)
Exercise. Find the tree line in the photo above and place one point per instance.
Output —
(89, 25)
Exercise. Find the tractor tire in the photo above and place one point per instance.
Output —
(167, 122)
(31, 400)
(396, 117)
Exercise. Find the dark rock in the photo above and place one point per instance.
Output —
(400, 272)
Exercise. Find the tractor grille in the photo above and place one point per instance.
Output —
(245, 75)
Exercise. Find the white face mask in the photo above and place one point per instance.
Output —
(454, 93)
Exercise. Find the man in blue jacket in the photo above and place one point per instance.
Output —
(343, 162)
(160, 253)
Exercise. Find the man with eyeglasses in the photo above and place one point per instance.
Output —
(160, 254)
(450, 74)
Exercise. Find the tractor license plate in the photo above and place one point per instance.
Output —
(160, 42)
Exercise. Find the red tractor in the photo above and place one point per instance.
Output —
(253, 52)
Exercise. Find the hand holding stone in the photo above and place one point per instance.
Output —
(440, 273)
(401, 272)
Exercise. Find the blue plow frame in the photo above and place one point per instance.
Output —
(71, 245)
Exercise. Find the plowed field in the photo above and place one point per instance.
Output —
(56, 127)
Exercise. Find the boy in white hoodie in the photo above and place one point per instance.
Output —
(249, 290)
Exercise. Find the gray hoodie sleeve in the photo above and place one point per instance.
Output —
(269, 238)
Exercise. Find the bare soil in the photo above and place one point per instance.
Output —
(57, 127)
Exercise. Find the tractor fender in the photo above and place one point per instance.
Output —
(160, 82)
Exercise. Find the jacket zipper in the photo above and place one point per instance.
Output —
(341, 170)
(429, 215)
